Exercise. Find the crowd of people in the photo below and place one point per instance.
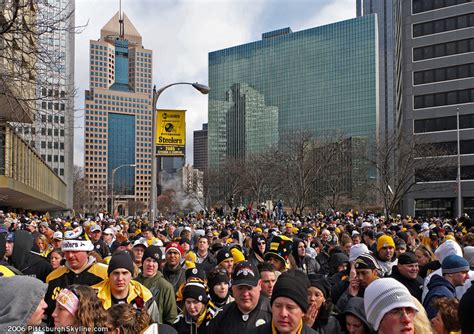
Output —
(335, 272)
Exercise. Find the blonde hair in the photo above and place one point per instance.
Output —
(421, 323)
(44, 240)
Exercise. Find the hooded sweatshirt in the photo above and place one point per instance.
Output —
(449, 247)
(21, 249)
(21, 296)
(5, 268)
(355, 306)
(25, 260)
(437, 287)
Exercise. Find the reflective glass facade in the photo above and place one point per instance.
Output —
(121, 151)
(316, 80)
(121, 61)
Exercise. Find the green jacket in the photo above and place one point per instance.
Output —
(164, 295)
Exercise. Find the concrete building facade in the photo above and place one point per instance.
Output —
(118, 120)
(438, 81)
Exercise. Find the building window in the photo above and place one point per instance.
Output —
(444, 73)
(419, 6)
(444, 98)
(443, 49)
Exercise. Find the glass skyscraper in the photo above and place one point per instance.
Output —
(318, 80)
(118, 120)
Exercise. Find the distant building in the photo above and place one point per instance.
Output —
(200, 148)
(438, 81)
(389, 61)
(427, 74)
(192, 181)
(27, 181)
(118, 120)
(317, 80)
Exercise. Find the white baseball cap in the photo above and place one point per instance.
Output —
(58, 235)
(108, 230)
(95, 228)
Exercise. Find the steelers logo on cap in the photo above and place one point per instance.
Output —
(194, 271)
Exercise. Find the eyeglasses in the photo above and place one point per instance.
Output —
(402, 311)
(262, 243)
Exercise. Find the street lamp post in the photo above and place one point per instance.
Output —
(458, 177)
(112, 185)
(203, 89)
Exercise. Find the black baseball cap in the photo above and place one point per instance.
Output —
(245, 273)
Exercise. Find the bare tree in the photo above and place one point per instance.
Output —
(27, 61)
(401, 164)
(298, 170)
(81, 195)
(258, 175)
(226, 182)
(135, 207)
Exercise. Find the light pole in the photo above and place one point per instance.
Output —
(458, 178)
(203, 89)
(112, 186)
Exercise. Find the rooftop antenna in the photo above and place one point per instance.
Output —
(122, 33)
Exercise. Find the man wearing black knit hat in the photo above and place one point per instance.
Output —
(406, 272)
(162, 290)
(289, 304)
(119, 288)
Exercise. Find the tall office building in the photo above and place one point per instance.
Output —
(118, 120)
(316, 80)
(200, 148)
(389, 52)
(52, 132)
(26, 181)
(438, 81)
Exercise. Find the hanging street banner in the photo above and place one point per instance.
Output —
(171, 133)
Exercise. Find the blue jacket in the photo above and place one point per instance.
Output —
(437, 287)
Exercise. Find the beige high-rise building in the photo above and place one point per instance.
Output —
(118, 121)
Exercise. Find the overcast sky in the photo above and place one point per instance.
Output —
(181, 33)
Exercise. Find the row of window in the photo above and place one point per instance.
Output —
(444, 98)
(121, 98)
(442, 25)
(443, 49)
(446, 148)
(55, 145)
(52, 92)
(448, 173)
(55, 158)
(420, 6)
(50, 105)
(443, 74)
(50, 132)
(444, 123)
(51, 118)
